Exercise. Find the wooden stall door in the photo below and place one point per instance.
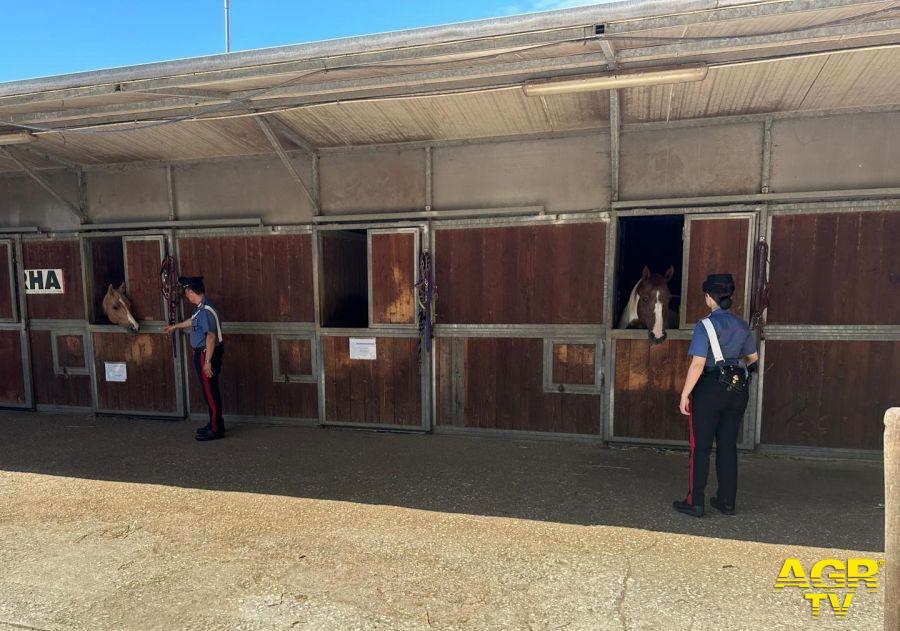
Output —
(834, 269)
(393, 263)
(58, 325)
(372, 381)
(715, 245)
(143, 256)
(12, 373)
(529, 274)
(135, 373)
(7, 283)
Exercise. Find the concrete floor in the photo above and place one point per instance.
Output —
(110, 523)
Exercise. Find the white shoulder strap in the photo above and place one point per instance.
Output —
(713, 340)
(219, 324)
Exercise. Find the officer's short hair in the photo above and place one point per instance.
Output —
(197, 288)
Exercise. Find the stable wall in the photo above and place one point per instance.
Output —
(568, 173)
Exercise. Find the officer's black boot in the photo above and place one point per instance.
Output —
(688, 509)
(204, 429)
(722, 507)
(209, 435)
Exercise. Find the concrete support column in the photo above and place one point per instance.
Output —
(891, 580)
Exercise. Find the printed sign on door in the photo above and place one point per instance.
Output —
(44, 281)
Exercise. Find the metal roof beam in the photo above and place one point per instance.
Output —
(290, 134)
(194, 82)
(51, 158)
(193, 93)
(75, 210)
(692, 48)
(412, 38)
(739, 12)
(406, 84)
(286, 160)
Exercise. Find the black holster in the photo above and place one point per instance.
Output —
(733, 378)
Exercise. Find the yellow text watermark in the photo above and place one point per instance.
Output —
(826, 579)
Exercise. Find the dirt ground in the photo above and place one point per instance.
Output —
(117, 524)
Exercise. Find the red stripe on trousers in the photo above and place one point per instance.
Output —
(689, 500)
(213, 421)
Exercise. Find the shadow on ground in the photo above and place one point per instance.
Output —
(788, 501)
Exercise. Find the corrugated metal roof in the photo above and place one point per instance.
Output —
(804, 84)
(447, 117)
(376, 103)
(178, 141)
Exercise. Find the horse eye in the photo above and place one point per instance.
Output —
(644, 298)
(116, 307)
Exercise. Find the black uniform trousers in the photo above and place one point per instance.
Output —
(209, 386)
(715, 414)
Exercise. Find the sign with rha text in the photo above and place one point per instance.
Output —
(44, 281)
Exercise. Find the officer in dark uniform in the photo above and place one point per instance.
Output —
(205, 327)
(715, 396)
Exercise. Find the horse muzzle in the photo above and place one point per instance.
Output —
(656, 340)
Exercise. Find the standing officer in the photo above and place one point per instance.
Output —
(715, 396)
(206, 340)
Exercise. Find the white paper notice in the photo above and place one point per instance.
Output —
(116, 371)
(362, 348)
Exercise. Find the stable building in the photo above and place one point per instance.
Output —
(438, 229)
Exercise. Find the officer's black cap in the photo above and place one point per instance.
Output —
(191, 282)
(719, 285)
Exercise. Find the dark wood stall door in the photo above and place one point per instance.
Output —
(7, 285)
(548, 276)
(393, 262)
(715, 245)
(835, 269)
(12, 376)
(48, 265)
(263, 286)
(497, 383)
(829, 393)
(647, 388)
(59, 377)
(143, 256)
(531, 274)
(373, 381)
(135, 373)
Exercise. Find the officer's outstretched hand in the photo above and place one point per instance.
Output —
(685, 405)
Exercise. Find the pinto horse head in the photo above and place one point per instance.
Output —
(117, 307)
(651, 299)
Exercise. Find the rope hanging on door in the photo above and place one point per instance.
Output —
(426, 297)
(759, 298)
(168, 285)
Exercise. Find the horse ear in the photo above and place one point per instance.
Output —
(121, 288)
(109, 288)
(646, 273)
(670, 272)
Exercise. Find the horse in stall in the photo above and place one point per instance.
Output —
(647, 304)
(117, 307)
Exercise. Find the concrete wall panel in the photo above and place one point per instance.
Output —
(560, 174)
(691, 162)
(24, 203)
(836, 153)
(255, 187)
(130, 193)
(384, 180)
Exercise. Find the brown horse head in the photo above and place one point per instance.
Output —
(117, 308)
(651, 295)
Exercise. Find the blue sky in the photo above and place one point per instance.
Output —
(60, 36)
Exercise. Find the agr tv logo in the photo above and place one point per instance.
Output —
(831, 576)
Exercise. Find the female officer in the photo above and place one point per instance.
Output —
(715, 396)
